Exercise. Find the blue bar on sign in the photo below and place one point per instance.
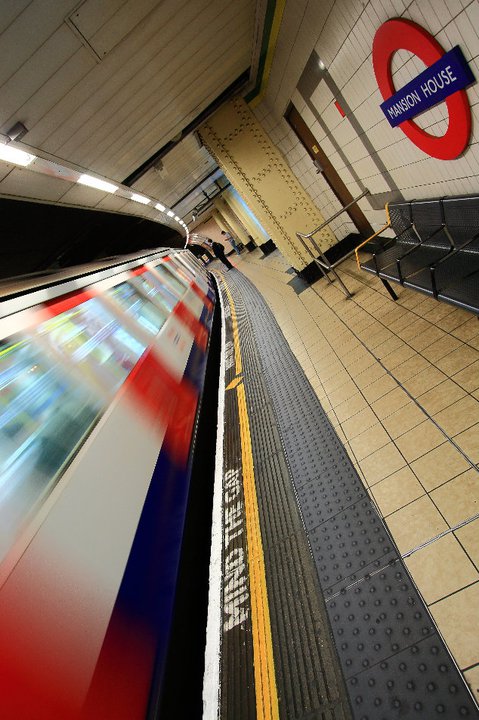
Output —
(445, 77)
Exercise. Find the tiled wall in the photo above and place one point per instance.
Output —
(380, 157)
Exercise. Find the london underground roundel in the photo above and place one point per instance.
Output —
(401, 34)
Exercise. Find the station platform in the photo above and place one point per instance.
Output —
(345, 577)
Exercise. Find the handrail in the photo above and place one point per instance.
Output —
(388, 224)
(325, 264)
(333, 217)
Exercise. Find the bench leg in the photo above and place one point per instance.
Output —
(389, 289)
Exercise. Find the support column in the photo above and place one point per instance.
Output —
(257, 170)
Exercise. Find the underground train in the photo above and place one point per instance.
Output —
(101, 379)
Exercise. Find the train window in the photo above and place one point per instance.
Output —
(189, 261)
(152, 286)
(98, 350)
(149, 316)
(43, 416)
(183, 267)
(174, 280)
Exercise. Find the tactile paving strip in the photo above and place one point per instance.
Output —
(395, 663)
(309, 680)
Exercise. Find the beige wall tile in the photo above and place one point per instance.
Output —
(458, 499)
(396, 491)
(416, 524)
(441, 569)
(439, 465)
(456, 617)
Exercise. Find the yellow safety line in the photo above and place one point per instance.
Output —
(264, 674)
(234, 322)
(234, 383)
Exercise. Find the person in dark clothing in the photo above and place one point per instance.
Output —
(199, 251)
(219, 251)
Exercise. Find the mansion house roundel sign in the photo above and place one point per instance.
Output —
(445, 77)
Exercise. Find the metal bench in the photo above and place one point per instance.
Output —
(435, 249)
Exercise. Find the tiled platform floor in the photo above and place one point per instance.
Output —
(400, 383)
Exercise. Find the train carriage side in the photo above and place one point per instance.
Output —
(100, 384)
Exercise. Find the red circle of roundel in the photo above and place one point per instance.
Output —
(399, 34)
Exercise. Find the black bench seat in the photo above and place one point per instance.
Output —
(435, 249)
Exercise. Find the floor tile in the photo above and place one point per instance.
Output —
(457, 618)
(441, 396)
(398, 357)
(396, 491)
(369, 376)
(441, 568)
(425, 380)
(459, 416)
(369, 441)
(472, 679)
(469, 377)
(419, 440)
(416, 524)
(457, 360)
(350, 407)
(441, 347)
(359, 423)
(382, 463)
(439, 466)
(468, 536)
(389, 403)
(410, 368)
(458, 500)
(468, 441)
(467, 330)
(427, 338)
(378, 388)
(403, 420)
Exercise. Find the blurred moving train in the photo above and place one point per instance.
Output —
(101, 378)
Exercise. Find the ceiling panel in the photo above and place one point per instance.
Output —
(105, 84)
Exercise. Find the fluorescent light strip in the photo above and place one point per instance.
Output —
(97, 183)
(160, 207)
(16, 156)
(170, 214)
(140, 199)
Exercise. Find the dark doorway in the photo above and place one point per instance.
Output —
(324, 166)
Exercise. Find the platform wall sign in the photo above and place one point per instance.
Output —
(435, 84)
(444, 80)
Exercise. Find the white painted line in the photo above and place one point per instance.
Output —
(211, 680)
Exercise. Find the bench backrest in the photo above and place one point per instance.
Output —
(400, 215)
(462, 218)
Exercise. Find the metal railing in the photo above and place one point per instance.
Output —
(322, 261)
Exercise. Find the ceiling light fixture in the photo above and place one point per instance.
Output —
(140, 199)
(94, 182)
(170, 214)
(16, 156)
(160, 207)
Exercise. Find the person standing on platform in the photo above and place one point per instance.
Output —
(230, 239)
(199, 251)
(219, 251)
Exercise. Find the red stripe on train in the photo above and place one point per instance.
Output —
(197, 328)
(67, 302)
(165, 401)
